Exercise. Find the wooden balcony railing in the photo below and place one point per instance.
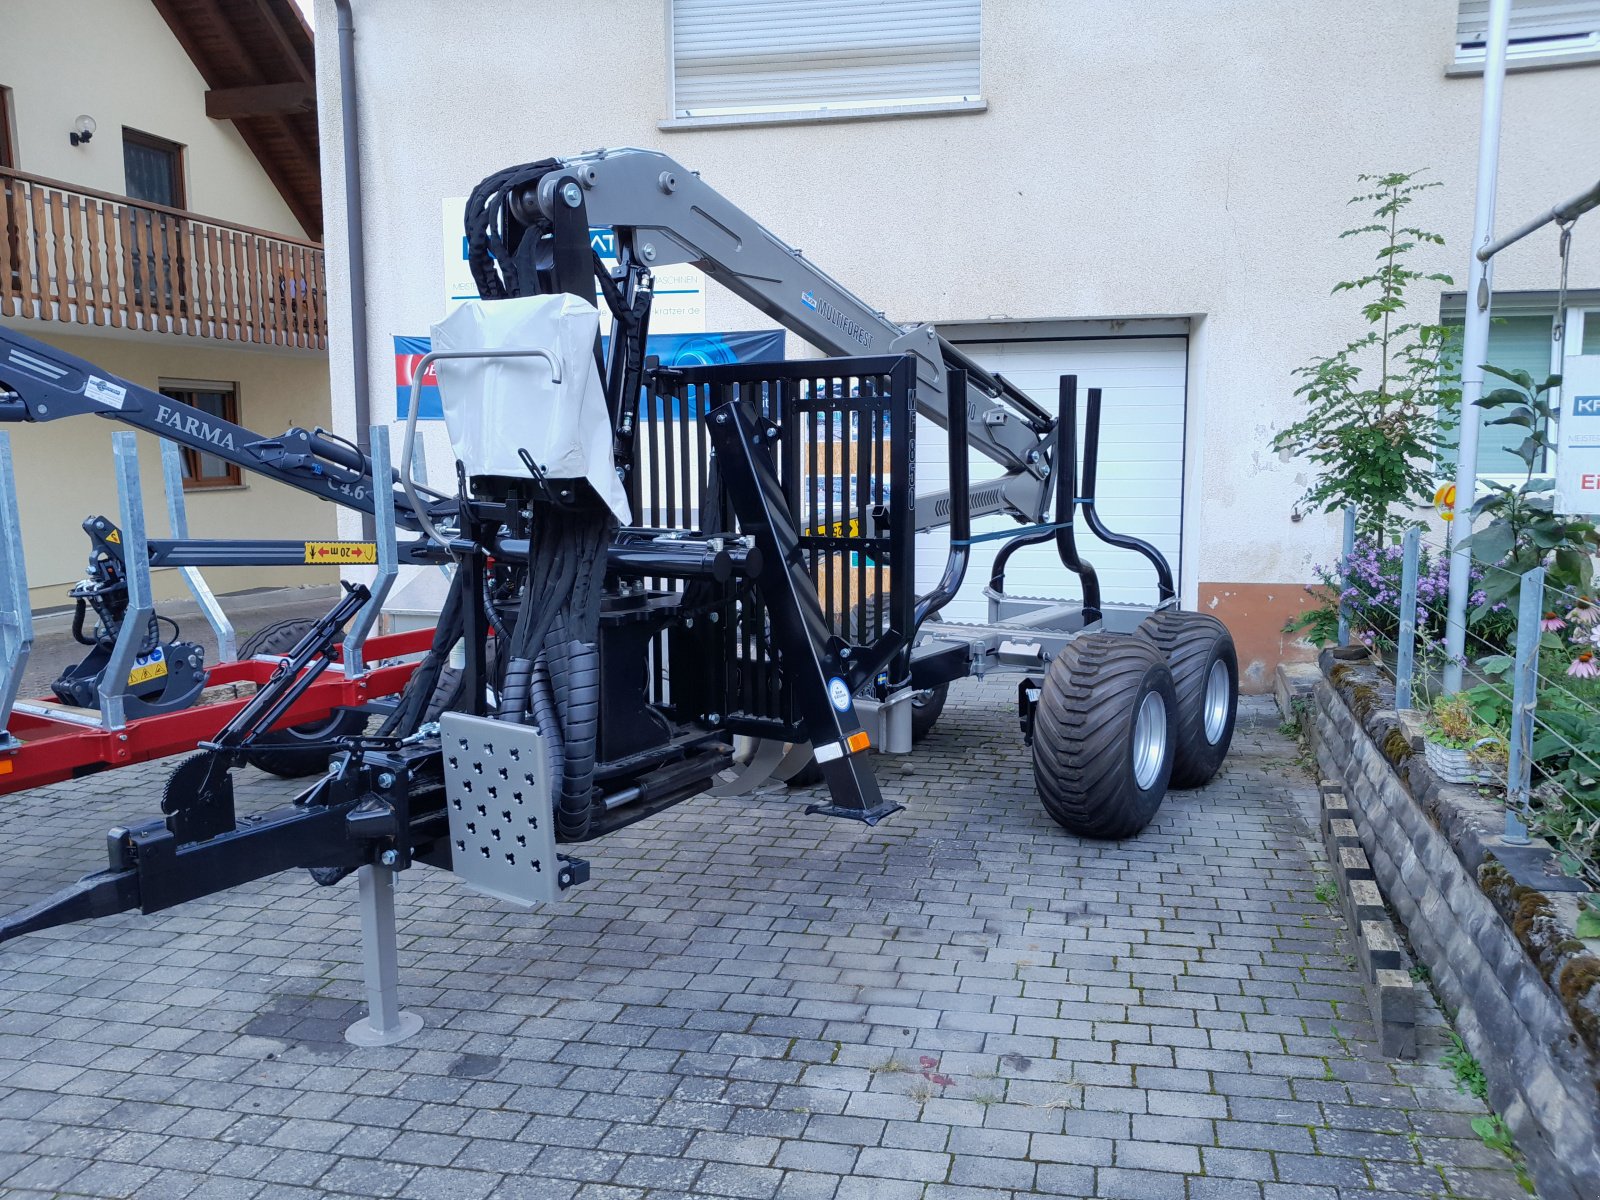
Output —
(93, 259)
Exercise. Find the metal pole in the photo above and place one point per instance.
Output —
(1348, 548)
(385, 1023)
(1567, 210)
(1524, 695)
(388, 554)
(354, 228)
(16, 614)
(1408, 618)
(136, 559)
(178, 522)
(1475, 344)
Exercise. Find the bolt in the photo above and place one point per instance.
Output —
(771, 434)
(571, 194)
(648, 252)
(714, 718)
(668, 181)
(389, 857)
(722, 418)
(386, 779)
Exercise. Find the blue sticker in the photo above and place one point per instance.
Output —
(839, 694)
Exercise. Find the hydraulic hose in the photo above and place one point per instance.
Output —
(577, 687)
(544, 714)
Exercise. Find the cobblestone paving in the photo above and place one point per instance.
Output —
(961, 1004)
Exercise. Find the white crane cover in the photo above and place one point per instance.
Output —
(494, 407)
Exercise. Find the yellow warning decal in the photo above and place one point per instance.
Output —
(143, 672)
(839, 529)
(114, 537)
(341, 552)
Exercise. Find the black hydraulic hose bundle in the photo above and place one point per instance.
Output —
(553, 674)
(552, 668)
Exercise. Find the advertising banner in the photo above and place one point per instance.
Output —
(674, 350)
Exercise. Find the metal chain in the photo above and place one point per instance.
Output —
(1559, 333)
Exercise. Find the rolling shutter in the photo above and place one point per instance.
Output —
(1531, 20)
(736, 56)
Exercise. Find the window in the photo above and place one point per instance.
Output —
(8, 151)
(202, 470)
(1522, 338)
(735, 60)
(1542, 33)
(153, 167)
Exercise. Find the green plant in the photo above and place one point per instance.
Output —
(1524, 531)
(1492, 1131)
(1458, 1060)
(1378, 409)
(1453, 721)
(1326, 892)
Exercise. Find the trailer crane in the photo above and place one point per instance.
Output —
(748, 573)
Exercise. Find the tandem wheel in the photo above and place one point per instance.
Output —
(1104, 735)
(1205, 676)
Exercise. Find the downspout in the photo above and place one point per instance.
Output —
(355, 237)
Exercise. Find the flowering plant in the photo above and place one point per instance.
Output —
(1368, 582)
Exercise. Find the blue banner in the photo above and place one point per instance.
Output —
(674, 350)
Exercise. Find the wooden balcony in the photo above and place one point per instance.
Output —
(94, 260)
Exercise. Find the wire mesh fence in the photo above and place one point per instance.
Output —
(1525, 725)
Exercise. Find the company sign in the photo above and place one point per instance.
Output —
(1578, 438)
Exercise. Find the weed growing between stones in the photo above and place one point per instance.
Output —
(1459, 1061)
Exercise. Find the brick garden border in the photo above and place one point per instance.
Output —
(1525, 992)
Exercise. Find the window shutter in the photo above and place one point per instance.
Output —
(732, 56)
(1531, 20)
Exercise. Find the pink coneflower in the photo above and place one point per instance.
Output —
(1584, 612)
(1551, 623)
(1584, 666)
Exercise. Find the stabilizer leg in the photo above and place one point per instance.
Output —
(799, 629)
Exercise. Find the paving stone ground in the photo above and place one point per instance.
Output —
(964, 1003)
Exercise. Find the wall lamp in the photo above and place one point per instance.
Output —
(82, 130)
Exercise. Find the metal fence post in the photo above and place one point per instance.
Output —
(388, 553)
(136, 558)
(1344, 574)
(16, 614)
(1412, 544)
(178, 522)
(1524, 693)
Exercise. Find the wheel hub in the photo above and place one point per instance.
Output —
(1218, 687)
(1149, 740)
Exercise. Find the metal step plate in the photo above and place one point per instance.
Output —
(497, 794)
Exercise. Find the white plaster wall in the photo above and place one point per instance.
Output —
(117, 61)
(1162, 158)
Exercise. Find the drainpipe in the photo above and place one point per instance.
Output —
(355, 237)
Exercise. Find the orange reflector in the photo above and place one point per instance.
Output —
(6, 766)
(858, 741)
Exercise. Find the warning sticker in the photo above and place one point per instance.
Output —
(147, 667)
(341, 552)
(105, 391)
(850, 528)
(114, 537)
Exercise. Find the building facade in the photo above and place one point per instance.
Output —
(1148, 195)
(159, 215)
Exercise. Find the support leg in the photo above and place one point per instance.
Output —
(16, 614)
(384, 1024)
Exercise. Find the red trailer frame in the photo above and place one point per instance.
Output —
(55, 750)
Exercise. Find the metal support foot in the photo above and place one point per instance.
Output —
(384, 1024)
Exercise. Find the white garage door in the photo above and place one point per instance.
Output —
(1140, 486)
